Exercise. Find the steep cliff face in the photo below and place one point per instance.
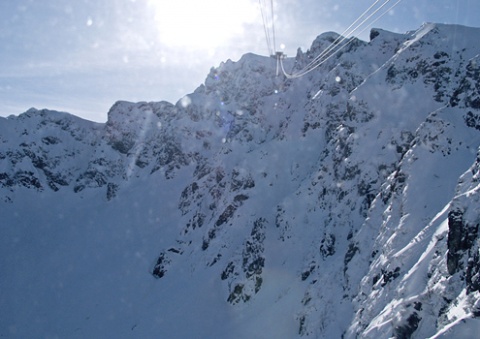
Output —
(342, 203)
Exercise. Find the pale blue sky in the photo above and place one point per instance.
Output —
(81, 56)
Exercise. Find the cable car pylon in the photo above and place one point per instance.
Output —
(279, 56)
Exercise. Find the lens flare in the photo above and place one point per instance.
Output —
(201, 24)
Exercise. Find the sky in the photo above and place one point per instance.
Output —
(82, 56)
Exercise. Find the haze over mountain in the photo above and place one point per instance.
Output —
(344, 203)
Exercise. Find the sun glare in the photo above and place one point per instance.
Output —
(202, 24)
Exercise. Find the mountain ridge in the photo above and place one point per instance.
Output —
(340, 204)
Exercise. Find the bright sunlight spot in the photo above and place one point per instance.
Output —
(202, 24)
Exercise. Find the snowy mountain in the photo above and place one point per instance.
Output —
(342, 204)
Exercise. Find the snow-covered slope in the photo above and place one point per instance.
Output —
(341, 204)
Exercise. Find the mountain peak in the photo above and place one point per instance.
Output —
(344, 199)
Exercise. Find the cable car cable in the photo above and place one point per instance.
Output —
(316, 62)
